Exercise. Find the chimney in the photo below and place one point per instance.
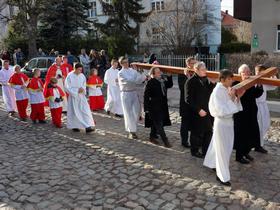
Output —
(227, 12)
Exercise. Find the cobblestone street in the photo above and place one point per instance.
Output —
(42, 167)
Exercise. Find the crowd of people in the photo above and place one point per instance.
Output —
(214, 117)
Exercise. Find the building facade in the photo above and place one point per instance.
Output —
(151, 35)
(266, 26)
(6, 12)
(243, 10)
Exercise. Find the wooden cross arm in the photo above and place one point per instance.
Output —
(261, 79)
(253, 80)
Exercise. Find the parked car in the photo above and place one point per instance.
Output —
(42, 63)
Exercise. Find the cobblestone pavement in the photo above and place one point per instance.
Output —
(42, 167)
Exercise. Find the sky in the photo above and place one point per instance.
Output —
(227, 5)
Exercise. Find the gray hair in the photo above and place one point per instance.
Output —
(242, 68)
(199, 65)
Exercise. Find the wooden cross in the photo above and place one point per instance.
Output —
(243, 85)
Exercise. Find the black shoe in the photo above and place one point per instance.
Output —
(108, 112)
(186, 145)
(90, 129)
(249, 157)
(42, 122)
(223, 183)
(34, 121)
(64, 112)
(242, 161)
(132, 136)
(166, 142)
(118, 115)
(154, 141)
(261, 150)
(76, 130)
(23, 119)
(197, 154)
(12, 113)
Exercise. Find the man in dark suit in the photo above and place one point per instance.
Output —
(185, 111)
(198, 90)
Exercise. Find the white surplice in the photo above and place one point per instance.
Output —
(113, 103)
(7, 91)
(222, 108)
(263, 113)
(79, 114)
(128, 81)
(60, 83)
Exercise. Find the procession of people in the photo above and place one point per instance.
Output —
(215, 119)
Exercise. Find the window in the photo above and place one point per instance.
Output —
(278, 38)
(32, 64)
(157, 5)
(92, 9)
(50, 62)
(41, 63)
(157, 37)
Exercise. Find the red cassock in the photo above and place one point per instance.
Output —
(52, 73)
(56, 108)
(37, 101)
(67, 68)
(21, 95)
(96, 99)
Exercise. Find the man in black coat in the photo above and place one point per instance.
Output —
(246, 128)
(198, 90)
(156, 107)
(185, 111)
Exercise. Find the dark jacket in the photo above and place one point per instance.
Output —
(197, 94)
(155, 102)
(184, 108)
(246, 128)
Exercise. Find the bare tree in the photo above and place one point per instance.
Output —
(29, 11)
(182, 24)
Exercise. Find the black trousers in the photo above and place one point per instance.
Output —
(184, 130)
(157, 128)
(200, 140)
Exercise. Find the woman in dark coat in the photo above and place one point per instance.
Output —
(155, 105)
(246, 128)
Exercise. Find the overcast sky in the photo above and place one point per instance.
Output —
(227, 5)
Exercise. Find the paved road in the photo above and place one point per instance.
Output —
(42, 167)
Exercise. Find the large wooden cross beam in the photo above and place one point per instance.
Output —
(243, 85)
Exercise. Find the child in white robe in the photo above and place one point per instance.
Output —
(8, 92)
(222, 105)
(113, 103)
(263, 111)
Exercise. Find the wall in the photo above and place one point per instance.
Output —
(265, 18)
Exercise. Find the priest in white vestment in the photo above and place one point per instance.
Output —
(222, 105)
(128, 80)
(79, 115)
(8, 92)
(113, 103)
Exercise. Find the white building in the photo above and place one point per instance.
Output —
(6, 12)
(150, 37)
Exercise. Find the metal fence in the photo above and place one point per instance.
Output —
(212, 61)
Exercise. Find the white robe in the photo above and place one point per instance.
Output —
(113, 103)
(7, 91)
(79, 114)
(263, 113)
(60, 83)
(222, 108)
(128, 81)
